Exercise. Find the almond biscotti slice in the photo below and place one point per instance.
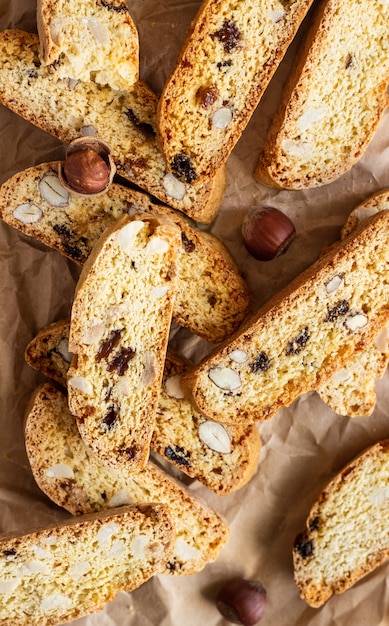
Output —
(227, 61)
(119, 329)
(303, 335)
(90, 40)
(346, 534)
(57, 574)
(212, 297)
(222, 457)
(335, 99)
(125, 120)
(79, 482)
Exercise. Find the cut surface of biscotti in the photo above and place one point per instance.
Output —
(303, 335)
(90, 40)
(335, 99)
(56, 574)
(79, 482)
(346, 534)
(351, 390)
(119, 329)
(212, 297)
(222, 457)
(125, 120)
(226, 63)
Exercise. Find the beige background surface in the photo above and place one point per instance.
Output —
(303, 444)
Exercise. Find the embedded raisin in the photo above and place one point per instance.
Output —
(178, 455)
(11, 552)
(183, 167)
(304, 546)
(298, 343)
(314, 524)
(109, 344)
(144, 128)
(228, 35)
(189, 245)
(342, 308)
(261, 363)
(113, 7)
(111, 417)
(120, 361)
(207, 96)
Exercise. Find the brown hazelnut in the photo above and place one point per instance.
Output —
(267, 232)
(86, 171)
(242, 601)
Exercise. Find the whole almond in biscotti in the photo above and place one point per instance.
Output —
(334, 100)
(226, 63)
(296, 341)
(119, 330)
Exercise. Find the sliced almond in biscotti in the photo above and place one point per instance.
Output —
(61, 572)
(304, 334)
(212, 297)
(119, 330)
(76, 480)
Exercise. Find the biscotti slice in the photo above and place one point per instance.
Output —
(227, 61)
(90, 40)
(126, 121)
(296, 341)
(212, 297)
(335, 98)
(119, 329)
(222, 457)
(346, 534)
(56, 574)
(79, 482)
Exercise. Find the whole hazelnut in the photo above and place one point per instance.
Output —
(267, 232)
(86, 171)
(242, 601)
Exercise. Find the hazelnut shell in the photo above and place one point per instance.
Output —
(91, 187)
(242, 601)
(267, 232)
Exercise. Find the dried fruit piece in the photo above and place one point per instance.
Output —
(242, 601)
(182, 166)
(267, 232)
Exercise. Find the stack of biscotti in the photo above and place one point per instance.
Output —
(346, 533)
(351, 390)
(71, 477)
(89, 41)
(301, 337)
(126, 120)
(222, 457)
(211, 296)
(226, 63)
(334, 100)
(59, 573)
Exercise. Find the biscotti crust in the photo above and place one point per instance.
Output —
(334, 99)
(125, 120)
(303, 335)
(228, 59)
(345, 536)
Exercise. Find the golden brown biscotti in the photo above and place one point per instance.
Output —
(125, 120)
(79, 482)
(59, 573)
(222, 457)
(346, 533)
(212, 297)
(89, 40)
(303, 335)
(227, 61)
(119, 330)
(335, 98)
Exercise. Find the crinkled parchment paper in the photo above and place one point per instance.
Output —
(303, 445)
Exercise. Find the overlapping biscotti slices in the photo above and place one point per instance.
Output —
(222, 457)
(119, 329)
(227, 61)
(125, 120)
(79, 482)
(212, 298)
(351, 390)
(56, 574)
(335, 98)
(303, 335)
(346, 534)
(90, 40)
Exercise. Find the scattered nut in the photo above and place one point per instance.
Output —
(63, 349)
(173, 387)
(310, 117)
(27, 213)
(86, 172)
(381, 342)
(267, 232)
(174, 187)
(60, 470)
(78, 382)
(215, 436)
(159, 291)
(276, 16)
(238, 356)
(157, 245)
(334, 283)
(242, 602)
(221, 118)
(128, 233)
(296, 149)
(98, 30)
(56, 601)
(106, 533)
(225, 378)
(52, 191)
(356, 322)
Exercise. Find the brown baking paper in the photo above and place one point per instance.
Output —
(303, 445)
